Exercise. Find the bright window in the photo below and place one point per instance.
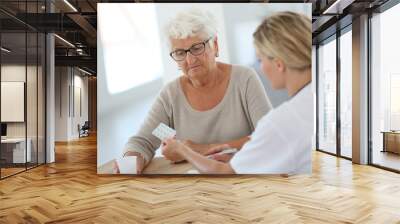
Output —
(130, 45)
(327, 96)
(346, 94)
(385, 87)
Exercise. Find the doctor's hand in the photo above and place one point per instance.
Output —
(170, 149)
(212, 153)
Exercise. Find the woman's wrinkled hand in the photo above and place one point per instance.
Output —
(200, 148)
(170, 149)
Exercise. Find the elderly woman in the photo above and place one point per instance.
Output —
(210, 104)
(281, 143)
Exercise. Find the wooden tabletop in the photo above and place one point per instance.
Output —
(158, 165)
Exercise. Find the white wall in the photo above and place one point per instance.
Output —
(68, 81)
(61, 103)
(79, 117)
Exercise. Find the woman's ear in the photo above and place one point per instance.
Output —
(280, 65)
(216, 49)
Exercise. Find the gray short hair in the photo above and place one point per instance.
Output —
(193, 22)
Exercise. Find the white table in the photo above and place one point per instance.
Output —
(19, 149)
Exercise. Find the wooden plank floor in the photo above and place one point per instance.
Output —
(10, 171)
(70, 191)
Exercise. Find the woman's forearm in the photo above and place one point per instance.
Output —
(238, 143)
(204, 164)
(204, 148)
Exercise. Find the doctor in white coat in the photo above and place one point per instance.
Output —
(281, 142)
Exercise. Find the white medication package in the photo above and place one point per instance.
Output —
(163, 132)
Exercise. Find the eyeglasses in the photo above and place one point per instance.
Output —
(195, 50)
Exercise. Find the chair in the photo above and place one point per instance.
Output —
(84, 130)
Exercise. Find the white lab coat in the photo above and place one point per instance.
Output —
(281, 142)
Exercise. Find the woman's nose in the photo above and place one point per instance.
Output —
(190, 58)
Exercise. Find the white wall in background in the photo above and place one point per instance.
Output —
(71, 102)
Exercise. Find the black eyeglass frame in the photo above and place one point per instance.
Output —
(189, 50)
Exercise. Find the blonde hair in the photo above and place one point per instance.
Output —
(287, 36)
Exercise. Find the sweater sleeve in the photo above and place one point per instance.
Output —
(258, 103)
(143, 141)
